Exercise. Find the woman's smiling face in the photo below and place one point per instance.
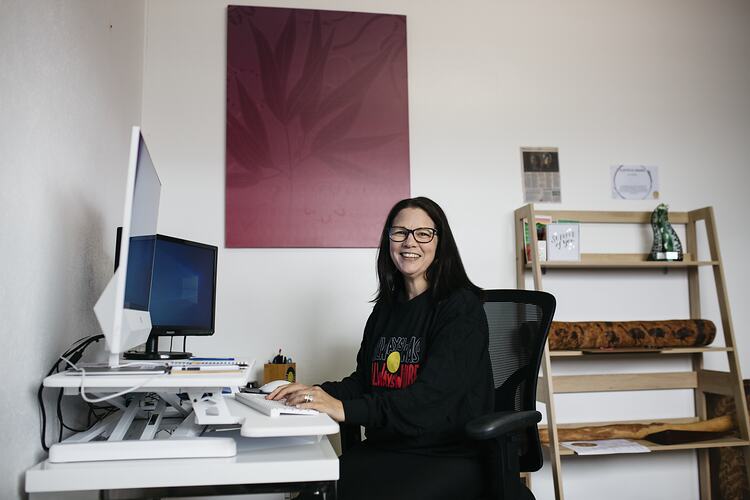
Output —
(410, 257)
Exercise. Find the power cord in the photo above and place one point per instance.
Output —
(89, 399)
(74, 353)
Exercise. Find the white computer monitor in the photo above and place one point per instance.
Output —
(124, 318)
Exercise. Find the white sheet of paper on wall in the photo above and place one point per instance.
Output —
(634, 182)
(563, 241)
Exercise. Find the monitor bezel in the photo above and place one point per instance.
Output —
(124, 327)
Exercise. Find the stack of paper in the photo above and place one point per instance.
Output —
(605, 447)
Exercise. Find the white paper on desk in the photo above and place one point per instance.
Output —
(605, 447)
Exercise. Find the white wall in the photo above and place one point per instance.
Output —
(70, 89)
(658, 83)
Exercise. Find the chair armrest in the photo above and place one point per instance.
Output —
(501, 423)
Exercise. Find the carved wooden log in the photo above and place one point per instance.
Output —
(637, 431)
(575, 335)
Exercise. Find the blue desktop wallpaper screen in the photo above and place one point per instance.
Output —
(182, 286)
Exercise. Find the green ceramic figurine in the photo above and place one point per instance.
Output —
(667, 245)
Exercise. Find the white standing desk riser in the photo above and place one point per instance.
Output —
(209, 406)
(204, 389)
(254, 424)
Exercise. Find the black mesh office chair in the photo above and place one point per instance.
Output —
(519, 321)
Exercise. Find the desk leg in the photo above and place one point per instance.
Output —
(332, 494)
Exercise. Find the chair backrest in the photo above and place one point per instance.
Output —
(519, 321)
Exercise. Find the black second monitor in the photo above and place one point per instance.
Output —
(182, 288)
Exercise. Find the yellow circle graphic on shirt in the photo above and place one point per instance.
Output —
(393, 361)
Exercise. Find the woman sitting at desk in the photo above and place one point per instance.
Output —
(423, 369)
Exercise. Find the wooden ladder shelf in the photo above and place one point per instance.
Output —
(699, 380)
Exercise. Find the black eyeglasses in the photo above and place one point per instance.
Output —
(398, 234)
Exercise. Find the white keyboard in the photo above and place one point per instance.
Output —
(268, 407)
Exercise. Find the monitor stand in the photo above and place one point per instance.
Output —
(152, 352)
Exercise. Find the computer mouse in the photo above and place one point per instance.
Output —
(272, 386)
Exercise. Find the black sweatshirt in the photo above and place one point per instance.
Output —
(423, 371)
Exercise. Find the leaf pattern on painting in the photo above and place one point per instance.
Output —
(269, 74)
(284, 50)
(256, 137)
(345, 166)
(234, 15)
(315, 121)
(337, 127)
(245, 153)
(310, 99)
(357, 144)
(360, 32)
(355, 87)
(305, 95)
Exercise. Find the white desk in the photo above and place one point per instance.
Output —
(261, 465)
(303, 458)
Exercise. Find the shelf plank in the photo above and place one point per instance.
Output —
(623, 260)
(697, 445)
(613, 382)
(608, 217)
(673, 420)
(637, 351)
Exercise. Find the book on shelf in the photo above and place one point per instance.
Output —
(541, 235)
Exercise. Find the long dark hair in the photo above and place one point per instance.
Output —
(445, 274)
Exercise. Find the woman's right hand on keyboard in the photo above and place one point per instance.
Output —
(306, 396)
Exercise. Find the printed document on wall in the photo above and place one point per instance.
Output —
(541, 175)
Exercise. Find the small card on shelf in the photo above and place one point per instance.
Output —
(563, 240)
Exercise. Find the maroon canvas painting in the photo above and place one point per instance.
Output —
(317, 138)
